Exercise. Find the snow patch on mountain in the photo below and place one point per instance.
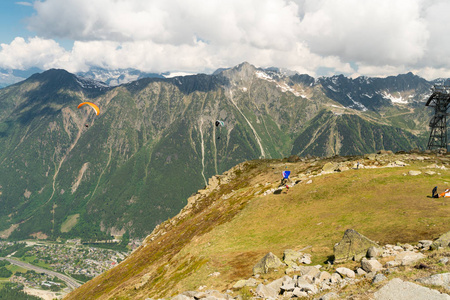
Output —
(394, 99)
(357, 104)
(88, 83)
(263, 75)
(332, 88)
(281, 85)
(177, 74)
(367, 95)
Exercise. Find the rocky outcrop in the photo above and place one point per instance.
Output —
(329, 167)
(270, 261)
(352, 246)
(293, 257)
(442, 241)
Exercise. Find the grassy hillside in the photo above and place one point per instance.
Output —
(228, 228)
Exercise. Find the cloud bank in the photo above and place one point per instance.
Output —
(371, 37)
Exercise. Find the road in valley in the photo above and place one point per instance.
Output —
(71, 283)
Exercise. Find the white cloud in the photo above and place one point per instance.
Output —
(371, 31)
(23, 3)
(380, 37)
(21, 54)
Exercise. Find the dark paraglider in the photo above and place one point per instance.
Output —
(221, 124)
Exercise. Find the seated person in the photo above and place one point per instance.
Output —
(446, 193)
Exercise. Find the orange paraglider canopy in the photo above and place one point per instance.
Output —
(94, 107)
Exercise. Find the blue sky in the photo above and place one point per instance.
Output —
(12, 20)
(315, 37)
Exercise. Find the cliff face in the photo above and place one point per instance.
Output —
(243, 214)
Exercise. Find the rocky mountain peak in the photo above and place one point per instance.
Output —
(242, 72)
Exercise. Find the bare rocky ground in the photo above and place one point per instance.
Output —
(401, 271)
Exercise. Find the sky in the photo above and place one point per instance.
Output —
(374, 38)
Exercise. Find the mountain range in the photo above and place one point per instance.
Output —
(110, 77)
(65, 172)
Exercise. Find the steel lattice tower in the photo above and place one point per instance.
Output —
(440, 100)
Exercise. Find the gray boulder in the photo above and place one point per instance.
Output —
(437, 279)
(329, 167)
(277, 283)
(378, 278)
(352, 246)
(345, 272)
(297, 292)
(270, 261)
(335, 278)
(308, 270)
(291, 257)
(305, 286)
(408, 257)
(373, 252)
(360, 272)
(288, 286)
(425, 244)
(266, 292)
(442, 241)
(414, 172)
(241, 283)
(323, 276)
(403, 290)
(371, 265)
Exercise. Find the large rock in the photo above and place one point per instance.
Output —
(406, 258)
(442, 241)
(266, 292)
(346, 272)
(437, 279)
(291, 257)
(373, 252)
(371, 265)
(241, 283)
(277, 283)
(403, 290)
(308, 270)
(352, 246)
(305, 286)
(323, 276)
(270, 261)
(329, 167)
(414, 173)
